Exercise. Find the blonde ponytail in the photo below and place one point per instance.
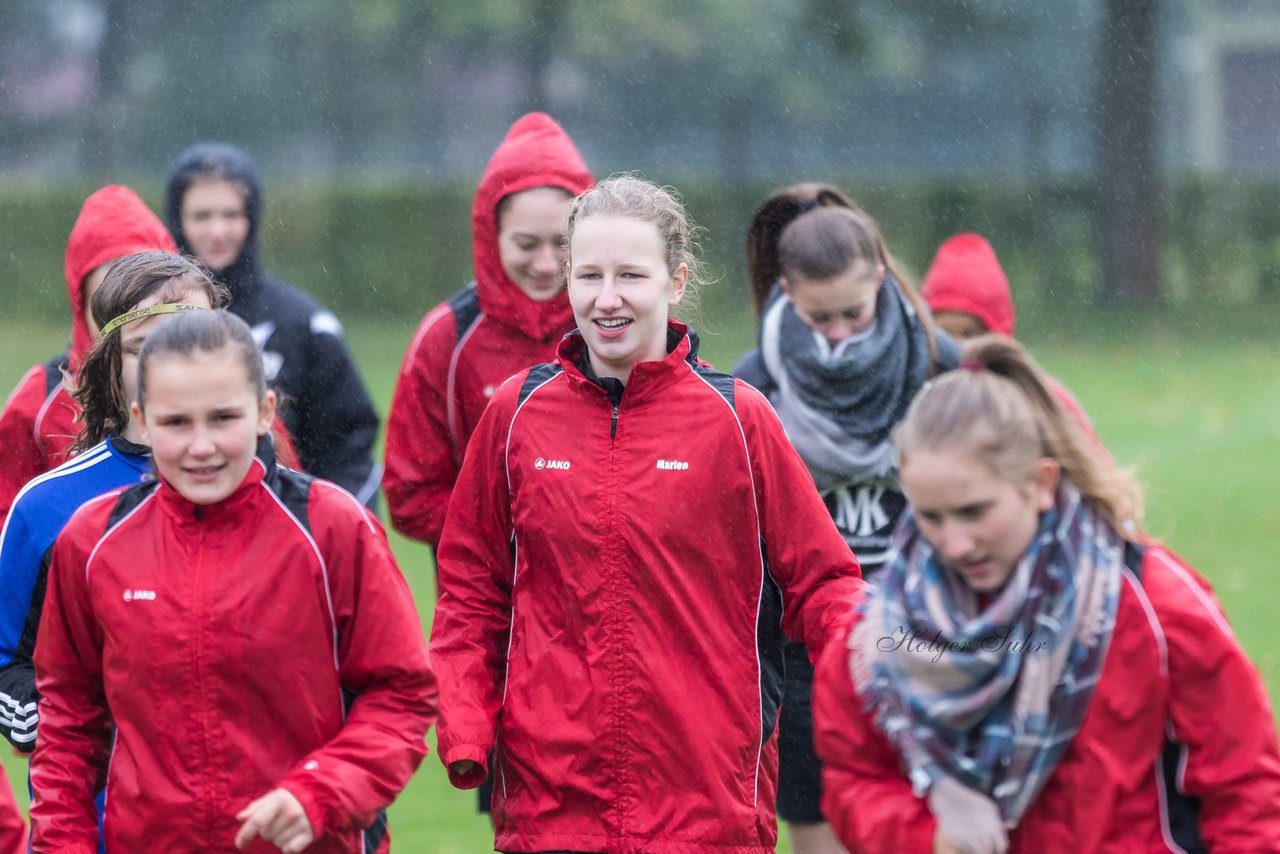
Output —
(999, 405)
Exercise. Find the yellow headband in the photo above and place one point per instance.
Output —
(147, 311)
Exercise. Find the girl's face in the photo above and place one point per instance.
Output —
(979, 523)
(529, 229)
(215, 221)
(132, 336)
(88, 287)
(960, 324)
(203, 420)
(622, 292)
(838, 307)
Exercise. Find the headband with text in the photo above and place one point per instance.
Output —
(148, 310)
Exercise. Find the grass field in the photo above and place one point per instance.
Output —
(1184, 400)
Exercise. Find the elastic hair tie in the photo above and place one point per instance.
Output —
(972, 366)
(808, 205)
(148, 310)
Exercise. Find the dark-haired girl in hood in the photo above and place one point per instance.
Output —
(326, 407)
(510, 318)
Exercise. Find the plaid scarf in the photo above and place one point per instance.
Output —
(990, 696)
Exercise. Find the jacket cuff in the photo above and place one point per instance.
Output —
(461, 752)
(310, 805)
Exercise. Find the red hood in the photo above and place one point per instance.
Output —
(535, 153)
(966, 276)
(113, 222)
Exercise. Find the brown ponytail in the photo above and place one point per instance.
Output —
(771, 218)
(822, 241)
(999, 405)
(131, 280)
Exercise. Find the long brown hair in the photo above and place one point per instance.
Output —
(104, 411)
(999, 406)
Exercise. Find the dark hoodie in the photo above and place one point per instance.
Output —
(466, 347)
(38, 424)
(325, 405)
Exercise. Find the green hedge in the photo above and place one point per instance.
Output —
(380, 249)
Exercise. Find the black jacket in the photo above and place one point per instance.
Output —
(324, 402)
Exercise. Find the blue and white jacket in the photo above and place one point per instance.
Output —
(38, 515)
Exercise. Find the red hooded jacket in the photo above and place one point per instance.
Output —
(38, 423)
(1178, 743)
(613, 591)
(966, 277)
(195, 658)
(467, 346)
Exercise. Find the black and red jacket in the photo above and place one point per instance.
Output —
(38, 424)
(195, 657)
(614, 593)
(466, 347)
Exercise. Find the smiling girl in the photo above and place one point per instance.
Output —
(243, 627)
(636, 529)
(510, 318)
(1091, 696)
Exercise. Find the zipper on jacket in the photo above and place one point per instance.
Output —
(613, 425)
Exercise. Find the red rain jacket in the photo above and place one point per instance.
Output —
(1179, 717)
(267, 640)
(466, 347)
(38, 424)
(13, 830)
(966, 277)
(612, 597)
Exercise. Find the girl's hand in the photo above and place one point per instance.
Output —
(969, 822)
(463, 767)
(942, 845)
(279, 819)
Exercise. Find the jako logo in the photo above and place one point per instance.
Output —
(672, 465)
(139, 596)
(541, 464)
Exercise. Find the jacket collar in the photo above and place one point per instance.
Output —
(647, 378)
(227, 511)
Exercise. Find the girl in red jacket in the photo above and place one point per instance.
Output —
(39, 421)
(231, 646)
(1029, 674)
(509, 318)
(636, 533)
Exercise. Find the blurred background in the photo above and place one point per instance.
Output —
(1108, 147)
(1123, 157)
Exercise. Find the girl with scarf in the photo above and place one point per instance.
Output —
(845, 342)
(1030, 672)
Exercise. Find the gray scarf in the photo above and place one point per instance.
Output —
(840, 404)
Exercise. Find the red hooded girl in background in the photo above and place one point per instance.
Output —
(510, 318)
(38, 424)
(968, 292)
